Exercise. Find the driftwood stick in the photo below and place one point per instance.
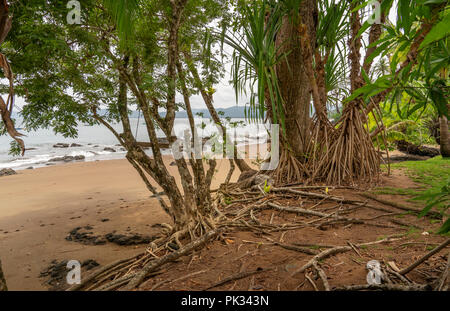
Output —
(425, 257)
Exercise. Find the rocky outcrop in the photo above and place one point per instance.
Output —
(410, 148)
(85, 236)
(134, 239)
(56, 273)
(68, 158)
(7, 172)
(109, 149)
(61, 145)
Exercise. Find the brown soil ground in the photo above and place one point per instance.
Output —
(249, 251)
(38, 208)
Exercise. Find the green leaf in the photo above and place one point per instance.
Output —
(365, 76)
(445, 227)
(435, 1)
(438, 32)
(438, 97)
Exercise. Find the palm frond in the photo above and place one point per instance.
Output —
(254, 58)
(124, 12)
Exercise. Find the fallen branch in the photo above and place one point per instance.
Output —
(336, 250)
(331, 198)
(325, 254)
(425, 257)
(310, 194)
(336, 218)
(297, 210)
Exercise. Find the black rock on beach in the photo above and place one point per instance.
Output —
(7, 172)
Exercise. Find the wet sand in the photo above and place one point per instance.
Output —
(39, 207)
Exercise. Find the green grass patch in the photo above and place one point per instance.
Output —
(430, 175)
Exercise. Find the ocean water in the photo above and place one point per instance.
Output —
(94, 139)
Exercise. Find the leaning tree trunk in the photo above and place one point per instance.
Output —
(3, 286)
(444, 137)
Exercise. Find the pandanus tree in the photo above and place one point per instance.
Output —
(291, 52)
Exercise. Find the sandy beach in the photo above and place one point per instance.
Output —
(39, 207)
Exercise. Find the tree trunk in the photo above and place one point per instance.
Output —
(3, 286)
(293, 79)
(444, 137)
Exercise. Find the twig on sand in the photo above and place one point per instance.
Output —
(425, 257)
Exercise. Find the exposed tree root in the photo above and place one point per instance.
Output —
(244, 214)
(108, 268)
(152, 266)
(336, 218)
